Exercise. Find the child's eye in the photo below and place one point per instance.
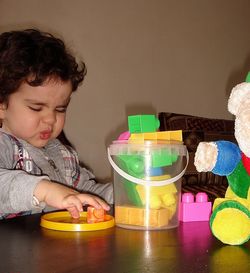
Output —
(37, 109)
(61, 110)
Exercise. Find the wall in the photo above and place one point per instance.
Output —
(143, 56)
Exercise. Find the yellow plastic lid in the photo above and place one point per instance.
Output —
(62, 220)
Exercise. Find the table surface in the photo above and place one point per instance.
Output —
(28, 248)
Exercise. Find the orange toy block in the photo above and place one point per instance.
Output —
(95, 215)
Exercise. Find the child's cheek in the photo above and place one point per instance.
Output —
(59, 124)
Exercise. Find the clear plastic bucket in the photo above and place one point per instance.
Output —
(147, 183)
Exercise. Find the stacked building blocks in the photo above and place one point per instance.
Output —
(143, 123)
(144, 128)
(141, 217)
(194, 210)
(95, 215)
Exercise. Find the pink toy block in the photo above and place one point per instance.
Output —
(195, 210)
(124, 136)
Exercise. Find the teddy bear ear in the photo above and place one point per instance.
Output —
(240, 93)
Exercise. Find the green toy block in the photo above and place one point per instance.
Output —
(134, 166)
(132, 193)
(163, 158)
(143, 124)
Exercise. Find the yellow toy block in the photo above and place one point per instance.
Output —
(141, 217)
(159, 177)
(121, 215)
(163, 135)
(157, 218)
(136, 217)
(158, 196)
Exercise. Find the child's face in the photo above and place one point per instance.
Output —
(36, 114)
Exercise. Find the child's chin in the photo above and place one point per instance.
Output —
(40, 143)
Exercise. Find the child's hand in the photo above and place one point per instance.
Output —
(62, 197)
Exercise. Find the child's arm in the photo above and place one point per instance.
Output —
(62, 197)
(16, 186)
(16, 190)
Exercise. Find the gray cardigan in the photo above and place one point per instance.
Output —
(22, 166)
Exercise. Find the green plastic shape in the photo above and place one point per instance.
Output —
(132, 193)
(143, 124)
(134, 165)
(248, 77)
(163, 158)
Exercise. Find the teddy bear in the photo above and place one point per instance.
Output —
(230, 218)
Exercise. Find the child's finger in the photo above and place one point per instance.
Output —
(94, 201)
(72, 203)
(102, 203)
(74, 212)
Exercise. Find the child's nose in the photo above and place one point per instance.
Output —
(50, 118)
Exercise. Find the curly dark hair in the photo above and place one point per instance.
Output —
(34, 56)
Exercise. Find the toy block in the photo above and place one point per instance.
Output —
(195, 210)
(163, 157)
(158, 218)
(132, 193)
(133, 164)
(95, 215)
(136, 216)
(158, 171)
(143, 123)
(141, 217)
(157, 197)
(159, 177)
(124, 136)
(164, 135)
(174, 135)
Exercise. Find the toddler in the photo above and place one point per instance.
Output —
(37, 172)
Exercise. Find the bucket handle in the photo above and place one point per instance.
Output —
(146, 182)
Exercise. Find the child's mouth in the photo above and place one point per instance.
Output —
(45, 135)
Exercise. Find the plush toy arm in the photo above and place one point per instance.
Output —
(220, 157)
(205, 156)
(229, 156)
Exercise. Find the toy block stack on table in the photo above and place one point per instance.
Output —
(149, 156)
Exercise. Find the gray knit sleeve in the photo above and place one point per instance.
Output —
(16, 190)
(16, 186)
